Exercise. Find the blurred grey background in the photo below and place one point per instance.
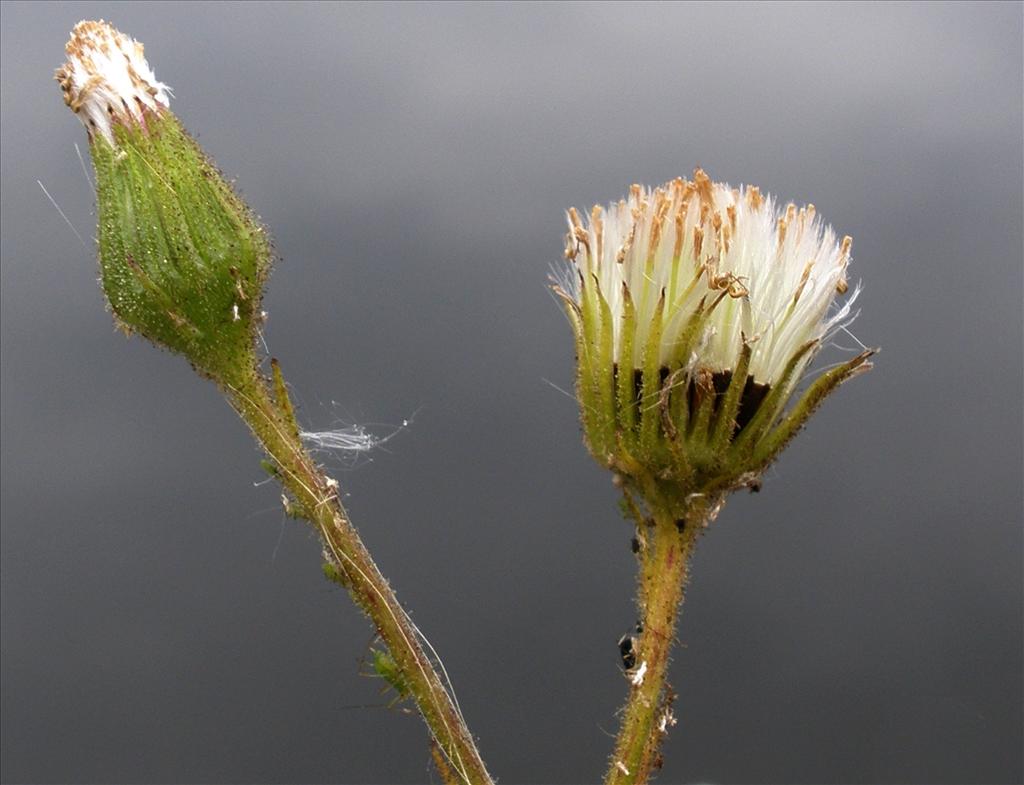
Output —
(858, 621)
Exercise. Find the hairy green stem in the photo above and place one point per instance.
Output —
(316, 498)
(666, 546)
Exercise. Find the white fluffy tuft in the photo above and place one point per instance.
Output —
(775, 271)
(106, 79)
(352, 438)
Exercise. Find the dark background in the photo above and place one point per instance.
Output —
(859, 620)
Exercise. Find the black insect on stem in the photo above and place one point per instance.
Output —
(627, 647)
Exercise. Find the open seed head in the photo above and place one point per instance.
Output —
(697, 309)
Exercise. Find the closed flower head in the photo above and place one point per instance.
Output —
(182, 259)
(697, 309)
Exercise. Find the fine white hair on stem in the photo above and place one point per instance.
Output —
(440, 664)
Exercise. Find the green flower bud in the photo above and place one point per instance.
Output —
(697, 309)
(183, 261)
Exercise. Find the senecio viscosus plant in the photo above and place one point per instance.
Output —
(697, 310)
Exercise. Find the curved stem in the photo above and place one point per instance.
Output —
(317, 500)
(664, 567)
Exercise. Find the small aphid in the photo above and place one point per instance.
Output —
(627, 653)
(334, 574)
(385, 667)
(627, 647)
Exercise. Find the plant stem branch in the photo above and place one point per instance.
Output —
(664, 567)
(317, 499)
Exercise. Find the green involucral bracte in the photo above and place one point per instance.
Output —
(672, 431)
(183, 261)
